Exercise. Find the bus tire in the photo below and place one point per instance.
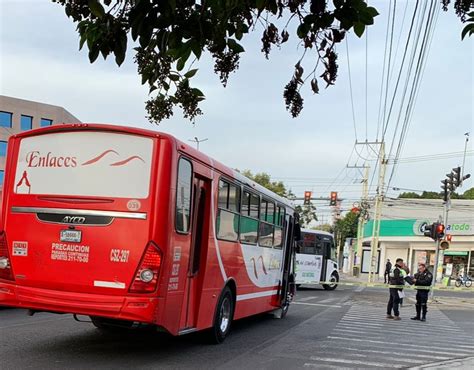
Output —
(334, 277)
(223, 317)
(110, 325)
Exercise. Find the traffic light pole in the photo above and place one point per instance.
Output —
(438, 267)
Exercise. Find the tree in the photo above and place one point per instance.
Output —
(468, 194)
(264, 179)
(346, 227)
(173, 34)
(324, 227)
(307, 213)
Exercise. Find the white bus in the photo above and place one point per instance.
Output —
(316, 259)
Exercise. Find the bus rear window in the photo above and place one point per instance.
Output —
(96, 164)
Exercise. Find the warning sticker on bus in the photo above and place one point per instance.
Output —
(20, 249)
(70, 252)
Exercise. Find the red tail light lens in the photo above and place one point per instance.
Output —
(6, 271)
(146, 276)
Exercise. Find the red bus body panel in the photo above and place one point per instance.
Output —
(94, 283)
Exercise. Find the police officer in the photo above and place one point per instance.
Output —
(397, 275)
(422, 278)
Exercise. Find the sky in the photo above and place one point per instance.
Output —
(246, 123)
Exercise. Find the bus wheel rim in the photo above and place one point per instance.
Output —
(224, 315)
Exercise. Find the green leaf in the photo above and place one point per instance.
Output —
(197, 92)
(182, 61)
(82, 41)
(174, 77)
(190, 73)
(96, 8)
(93, 54)
(234, 46)
(359, 28)
(260, 4)
(372, 11)
(468, 29)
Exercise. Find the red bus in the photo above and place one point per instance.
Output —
(130, 226)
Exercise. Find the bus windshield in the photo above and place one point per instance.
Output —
(92, 163)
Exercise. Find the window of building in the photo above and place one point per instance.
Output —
(2, 175)
(228, 214)
(26, 123)
(46, 122)
(6, 119)
(183, 196)
(3, 148)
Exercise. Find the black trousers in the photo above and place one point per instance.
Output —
(393, 302)
(421, 303)
(386, 277)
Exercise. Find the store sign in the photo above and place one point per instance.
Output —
(416, 227)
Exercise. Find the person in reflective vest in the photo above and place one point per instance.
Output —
(396, 277)
(423, 278)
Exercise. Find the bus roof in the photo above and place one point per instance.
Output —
(181, 146)
(320, 232)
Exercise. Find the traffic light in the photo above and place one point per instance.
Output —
(439, 229)
(307, 197)
(444, 244)
(445, 189)
(430, 231)
(456, 176)
(434, 231)
(333, 198)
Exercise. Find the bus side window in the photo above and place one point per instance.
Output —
(249, 218)
(267, 213)
(183, 196)
(279, 219)
(228, 211)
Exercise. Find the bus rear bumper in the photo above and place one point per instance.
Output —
(132, 308)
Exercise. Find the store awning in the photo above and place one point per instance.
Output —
(455, 253)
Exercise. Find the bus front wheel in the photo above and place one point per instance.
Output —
(334, 279)
(223, 317)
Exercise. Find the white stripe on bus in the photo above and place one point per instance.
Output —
(243, 297)
(109, 284)
(213, 221)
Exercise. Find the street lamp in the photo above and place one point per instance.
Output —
(197, 141)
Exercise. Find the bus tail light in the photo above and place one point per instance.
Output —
(146, 276)
(5, 264)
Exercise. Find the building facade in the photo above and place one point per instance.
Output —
(17, 115)
(402, 236)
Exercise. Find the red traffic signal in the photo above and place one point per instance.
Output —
(449, 237)
(439, 232)
(307, 197)
(333, 199)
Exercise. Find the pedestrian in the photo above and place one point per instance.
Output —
(386, 275)
(423, 278)
(396, 278)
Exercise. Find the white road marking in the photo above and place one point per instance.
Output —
(305, 299)
(317, 304)
(355, 362)
(430, 356)
(392, 343)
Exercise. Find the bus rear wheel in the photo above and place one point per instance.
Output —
(223, 317)
(334, 279)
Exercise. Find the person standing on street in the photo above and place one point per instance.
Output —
(386, 275)
(396, 277)
(422, 278)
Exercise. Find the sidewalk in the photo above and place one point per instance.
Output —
(460, 363)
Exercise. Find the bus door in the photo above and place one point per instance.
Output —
(198, 248)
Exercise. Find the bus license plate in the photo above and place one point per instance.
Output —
(71, 236)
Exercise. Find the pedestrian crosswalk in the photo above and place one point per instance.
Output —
(364, 338)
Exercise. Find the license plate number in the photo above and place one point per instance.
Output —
(71, 236)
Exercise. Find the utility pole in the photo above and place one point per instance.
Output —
(464, 157)
(362, 220)
(377, 213)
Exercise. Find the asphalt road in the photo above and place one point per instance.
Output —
(345, 328)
